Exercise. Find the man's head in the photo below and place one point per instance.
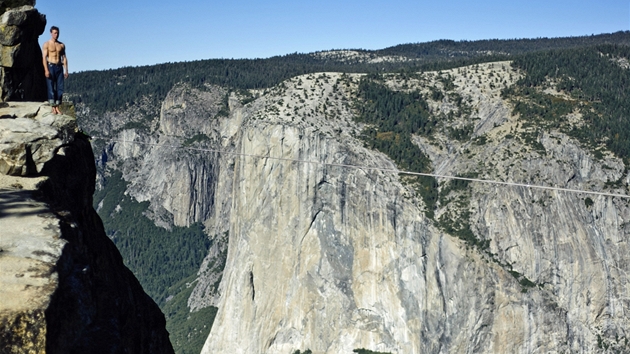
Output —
(54, 32)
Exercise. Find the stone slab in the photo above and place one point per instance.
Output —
(27, 254)
(24, 109)
(27, 144)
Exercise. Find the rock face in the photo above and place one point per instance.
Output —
(63, 284)
(21, 71)
(5, 4)
(332, 258)
(29, 141)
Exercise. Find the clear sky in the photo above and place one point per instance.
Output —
(116, 33)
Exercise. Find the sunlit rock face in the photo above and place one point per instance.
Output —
(333, 258)
(63, 285)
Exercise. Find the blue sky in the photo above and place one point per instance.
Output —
(115, 33)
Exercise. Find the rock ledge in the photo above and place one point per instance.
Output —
(63, 285)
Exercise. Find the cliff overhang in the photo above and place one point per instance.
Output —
(63, 284)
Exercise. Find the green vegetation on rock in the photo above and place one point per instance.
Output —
(595, 83)
(158, 257)
(392, 118)
(188, 330)
(366, 351)
(456, 220)
(164, 261)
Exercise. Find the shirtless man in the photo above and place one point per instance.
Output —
(55, 67)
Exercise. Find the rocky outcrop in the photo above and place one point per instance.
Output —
(63, 284)
(333, 259)
(7, 4)
(31, 139)
(21, 71)
(188, 116)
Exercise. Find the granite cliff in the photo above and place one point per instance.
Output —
(63, 284)
(332, 258)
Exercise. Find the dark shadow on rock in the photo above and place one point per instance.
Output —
(19, 203)
(99, 306)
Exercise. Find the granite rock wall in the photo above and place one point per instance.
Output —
(21, 71)
(63, 284)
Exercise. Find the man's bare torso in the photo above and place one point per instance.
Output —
(55, 51)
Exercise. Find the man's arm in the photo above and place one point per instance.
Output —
(65, 61)
(45, 52)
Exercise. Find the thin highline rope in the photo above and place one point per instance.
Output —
(514, 184)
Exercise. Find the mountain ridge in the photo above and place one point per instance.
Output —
(116, 88)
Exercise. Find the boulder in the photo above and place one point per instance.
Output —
(21, 56)
(27, 144)
(21, 72)
(10, 35)
(8, 4)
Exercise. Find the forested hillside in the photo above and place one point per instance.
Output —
(596, 80)
(439, 50)
(111, 90)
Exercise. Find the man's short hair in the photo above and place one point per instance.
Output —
(54, 28)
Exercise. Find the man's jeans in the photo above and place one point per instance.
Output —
(55, 84)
